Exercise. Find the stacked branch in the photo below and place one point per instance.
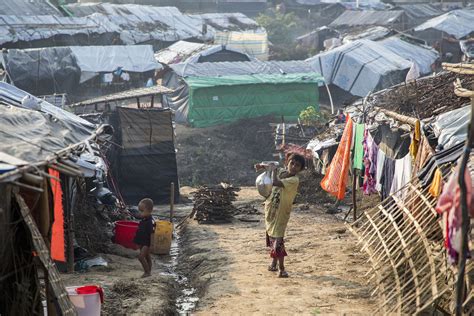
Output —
(425, 97)
(214, 204)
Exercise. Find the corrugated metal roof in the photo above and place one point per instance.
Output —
(458, 23)
(29, 28)
(356, 18)
(420, 10)
(28, 8)
(361, 67)
(240, 68)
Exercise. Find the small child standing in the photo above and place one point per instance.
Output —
(278, 207)
(144, 234)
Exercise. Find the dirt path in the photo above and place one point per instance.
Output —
(228, 264)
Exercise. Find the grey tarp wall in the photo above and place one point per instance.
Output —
(147, 159)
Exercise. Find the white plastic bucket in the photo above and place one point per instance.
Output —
(85, 304)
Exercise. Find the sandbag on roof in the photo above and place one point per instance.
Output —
(32, 135)
(361, 67)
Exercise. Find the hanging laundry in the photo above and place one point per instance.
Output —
(58, 250)
(387, 176)
(370, 163)
(415, 140)
(402, 177)
(449, 204)
(379, 172)
(437, 184)
(335, 180)
(358, 161)
(423, 154)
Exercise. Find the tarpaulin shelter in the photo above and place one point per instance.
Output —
(26, 7)
(63, 69)
(159, 26)
(457, 23)
(247, 7)
(40, 147)
(420, 12)
(217, 93)
(424, 56)
(49, 30)
(190, 52)
(235, 31)
(145, 162)
(361, 67)
(394, 19)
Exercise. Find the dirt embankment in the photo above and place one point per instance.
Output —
(207, 156)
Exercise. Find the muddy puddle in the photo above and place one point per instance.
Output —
(186, 298)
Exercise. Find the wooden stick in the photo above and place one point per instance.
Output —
(172, 202)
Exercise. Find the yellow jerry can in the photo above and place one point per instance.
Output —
(162, 238)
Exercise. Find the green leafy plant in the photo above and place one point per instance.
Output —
(310, 116)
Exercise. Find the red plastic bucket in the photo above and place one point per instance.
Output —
(91, 289)
(125, 232)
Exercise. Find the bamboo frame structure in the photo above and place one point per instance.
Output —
(404, 243)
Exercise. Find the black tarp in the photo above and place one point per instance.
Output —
(43, 71)
(147, 159)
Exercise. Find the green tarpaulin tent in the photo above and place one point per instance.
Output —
(219, 100)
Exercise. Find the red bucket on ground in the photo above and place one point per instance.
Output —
(125, 232)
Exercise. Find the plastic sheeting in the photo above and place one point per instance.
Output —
(95, 59)
(451, 128)
(30, 28)
(458, 23)
(361, 67)
(42, 71)
(253, 43)
(147, 163)
(213, 101)
(61, 69)
(33, 135)
(423, 56)
(27, 7)
(189, 52)
(357, 18)
(240, 68)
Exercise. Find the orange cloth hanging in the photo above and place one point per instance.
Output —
(335, 180)
(58, 252)
(437, 184)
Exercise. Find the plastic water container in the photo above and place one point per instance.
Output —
(89, 302)
(125, 233)
(162, 238)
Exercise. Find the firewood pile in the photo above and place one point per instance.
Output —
(214, 204)
(424, 97)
